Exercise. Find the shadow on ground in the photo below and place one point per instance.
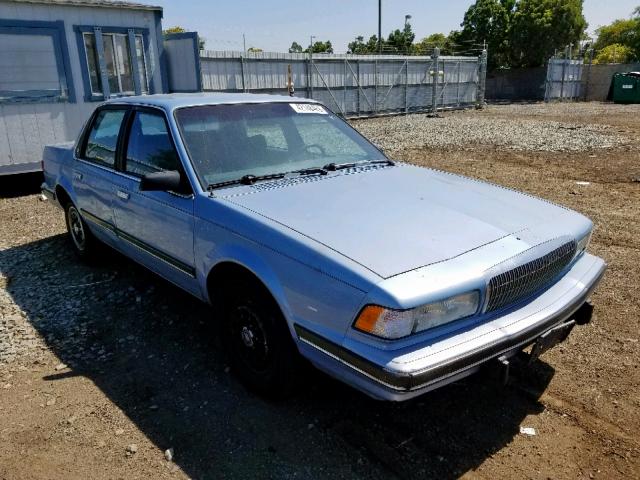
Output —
(19, 185)
(152, 350)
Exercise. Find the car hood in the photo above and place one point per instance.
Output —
(394, 219)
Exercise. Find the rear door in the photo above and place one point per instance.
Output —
(156, 226)
(94, 169)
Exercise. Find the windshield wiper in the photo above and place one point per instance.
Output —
(332, 167)
(311, 171)
(245, 180)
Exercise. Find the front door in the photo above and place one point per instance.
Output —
(155, 227)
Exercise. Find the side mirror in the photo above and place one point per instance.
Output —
(164, 181)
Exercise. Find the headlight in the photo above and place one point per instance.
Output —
(393, 324)
(583, 243)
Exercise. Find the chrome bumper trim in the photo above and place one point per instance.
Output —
(406, 382)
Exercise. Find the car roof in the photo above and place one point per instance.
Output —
(170, 101)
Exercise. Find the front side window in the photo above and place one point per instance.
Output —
(118, 64)
(150, 148)
(226, 142)
(103, 137)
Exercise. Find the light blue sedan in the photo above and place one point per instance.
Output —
(308, 241)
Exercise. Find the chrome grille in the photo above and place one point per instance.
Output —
(523, 280)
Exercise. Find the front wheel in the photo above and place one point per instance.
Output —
(83, 242)
(258, 341)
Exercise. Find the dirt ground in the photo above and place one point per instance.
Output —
(102, 369)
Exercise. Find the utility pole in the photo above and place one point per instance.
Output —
(379, 27)
(406, 22)
(244, 43)
(310, 68)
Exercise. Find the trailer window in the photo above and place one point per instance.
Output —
(121, 70)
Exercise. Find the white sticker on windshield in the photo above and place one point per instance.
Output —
(308, 108)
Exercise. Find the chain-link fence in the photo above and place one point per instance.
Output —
(564, 79)
(352, 85)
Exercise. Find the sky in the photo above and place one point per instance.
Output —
(273, 24)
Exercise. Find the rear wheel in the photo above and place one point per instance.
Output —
(83, 242)
(258, 342)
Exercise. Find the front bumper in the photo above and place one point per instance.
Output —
(400, 375)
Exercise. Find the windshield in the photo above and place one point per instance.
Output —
(226, 142)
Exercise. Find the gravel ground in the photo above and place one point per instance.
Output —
(105, 368)
(513, 127)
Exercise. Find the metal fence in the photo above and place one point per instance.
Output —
(352, 85)
(564, 79)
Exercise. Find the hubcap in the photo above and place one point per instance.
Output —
(247, 337)
(250, 339)
(76, 228)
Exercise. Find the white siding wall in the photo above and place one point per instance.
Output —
(26, 128)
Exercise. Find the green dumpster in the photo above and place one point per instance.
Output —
(626, 87)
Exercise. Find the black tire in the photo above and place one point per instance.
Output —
(257, 340)
(82, 241)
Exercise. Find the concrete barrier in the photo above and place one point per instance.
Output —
(528, 84)
(597, 79)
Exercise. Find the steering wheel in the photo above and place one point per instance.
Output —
(309, 148)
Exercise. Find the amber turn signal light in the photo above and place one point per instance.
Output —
(368, 317)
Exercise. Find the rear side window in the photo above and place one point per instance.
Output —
(103, 137)
(150, 148)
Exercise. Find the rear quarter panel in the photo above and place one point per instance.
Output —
(57, 161)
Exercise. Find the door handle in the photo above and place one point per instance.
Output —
(77, 176)
(122, 195)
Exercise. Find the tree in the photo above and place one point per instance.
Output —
(295, 48)
(539, 27)
(440, 40)
(522, 33)
(254, 50)
(489, 21)
(615, 53)
(359, 47)
(179, 29)
(175, 29)
(400, 41)
(621, 32)
(321, 47)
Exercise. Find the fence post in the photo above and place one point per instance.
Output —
(435, 66)
(482, 79)
(375, 84)
(547, 93)
(588, 79)
(344, 84)
(244, 85)
(358, 89)
(310, 74)
(458, 85)
(564, 70)
(406, 85)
